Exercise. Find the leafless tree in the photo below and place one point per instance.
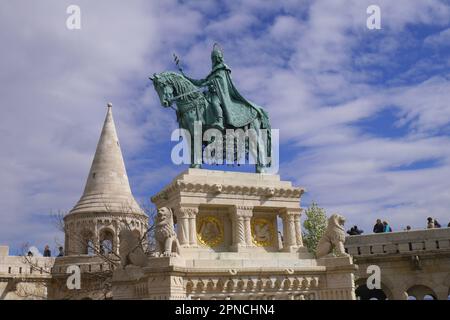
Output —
(100, 280)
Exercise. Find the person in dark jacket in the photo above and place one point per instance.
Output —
(436, 224)
(378, 227)
(354, 231)
(47, 252)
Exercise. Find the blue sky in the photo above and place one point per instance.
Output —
(363, 114)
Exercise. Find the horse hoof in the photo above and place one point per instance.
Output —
(260, 169)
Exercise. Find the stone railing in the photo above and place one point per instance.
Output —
(44, 267)
(399, 242)
(17, 266)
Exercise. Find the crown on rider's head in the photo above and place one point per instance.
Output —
(217, 51)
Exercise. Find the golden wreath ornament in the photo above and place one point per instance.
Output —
(209, 231)
(263, 232)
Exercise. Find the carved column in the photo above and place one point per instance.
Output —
(183, 229)
(248, 231)
(186, 225)
(290, 229)
(240, 241)
(298, 230)
(95, 228)
(116, 241)
(67, 245)
(240, 218)
(193, 226)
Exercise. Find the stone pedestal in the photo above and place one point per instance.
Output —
(340, 279)
(228, 225)
(233, 211)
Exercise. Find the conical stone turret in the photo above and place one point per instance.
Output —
(107, 204)
(107, 188)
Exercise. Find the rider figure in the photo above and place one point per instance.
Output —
(212, 82)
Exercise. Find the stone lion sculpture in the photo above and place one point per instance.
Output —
(166, 239)
(130, 249)
(333, 238)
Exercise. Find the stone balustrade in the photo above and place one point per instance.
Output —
(17, 266)
(406, 242)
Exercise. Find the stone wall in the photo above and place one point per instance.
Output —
(24, 279)
(173, 278)
(45, 277)
(412, 263)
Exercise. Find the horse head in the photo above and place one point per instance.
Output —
(164, 88)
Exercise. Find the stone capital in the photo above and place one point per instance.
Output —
(242, 211)
(187, 211)
(287, 212)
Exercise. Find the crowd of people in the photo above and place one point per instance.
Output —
(48, 252)
(383, 226)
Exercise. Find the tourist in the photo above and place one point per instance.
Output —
(61, 252)
(30, 254)
(436, 224)
(430, 223)
(378, 227)
(358, 231)
(448, 226)
(351, 232)
(354, 231)
(387, 227)
(47, 252)
(408, 228)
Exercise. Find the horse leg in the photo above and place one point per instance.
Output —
(260, 147)
(193, 143)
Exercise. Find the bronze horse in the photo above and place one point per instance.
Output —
(193, 106)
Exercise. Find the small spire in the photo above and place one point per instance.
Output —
(109, 105)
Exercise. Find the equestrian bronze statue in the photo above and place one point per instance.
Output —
(215, 103)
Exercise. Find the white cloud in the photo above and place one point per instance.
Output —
(54, 90)
(299, 64)
(440, 39)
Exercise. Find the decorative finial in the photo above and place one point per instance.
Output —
(109, 105)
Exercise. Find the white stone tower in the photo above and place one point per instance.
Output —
(107, 204)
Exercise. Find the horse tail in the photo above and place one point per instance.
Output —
(265, 124)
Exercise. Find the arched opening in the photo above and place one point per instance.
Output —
(106, 241)
(421, 292)
(362, 292)
(87, 243)
(280, 233)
